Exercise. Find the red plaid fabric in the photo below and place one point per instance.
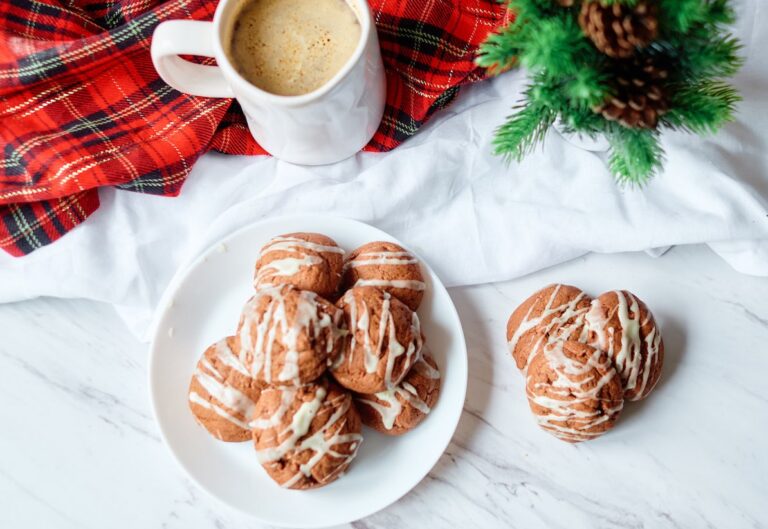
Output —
(81, 105)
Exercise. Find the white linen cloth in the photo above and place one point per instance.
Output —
(443, 193)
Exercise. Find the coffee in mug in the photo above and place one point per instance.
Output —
(292, 47)
(324, 51)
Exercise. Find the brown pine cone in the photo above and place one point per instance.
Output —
(639, 97)
(618, 30)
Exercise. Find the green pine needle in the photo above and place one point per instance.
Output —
(557, 43)
(679, 16)
(702, 108)
(500, 50)
(523, 130)
(715, 57)
(635, 156)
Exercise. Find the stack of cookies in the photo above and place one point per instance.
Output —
(583, 357)
(325, 345)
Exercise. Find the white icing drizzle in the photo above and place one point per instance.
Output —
(389, 403)
(218, 410)
(629, 357)
(285, 267)
(234, 403)
(286, 397)
(392, 406)
(426, 370)
(225, 354)
(560, 314)
(290, 265)
(570, 388)
(382, 258)
(298, 428)
(294, 244)
(294, 436)
(361, 320)
(411, 284)
(260, 332)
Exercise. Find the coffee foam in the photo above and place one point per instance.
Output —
(292, 47)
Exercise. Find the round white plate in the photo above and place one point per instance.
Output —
(203, 304)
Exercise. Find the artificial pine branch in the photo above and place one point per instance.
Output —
(500, 50)
(635, 155)
(522, 131)
(679, 82)
(702, 108)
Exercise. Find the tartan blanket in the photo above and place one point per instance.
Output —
(81, 105)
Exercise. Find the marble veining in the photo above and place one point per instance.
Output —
(79, 448)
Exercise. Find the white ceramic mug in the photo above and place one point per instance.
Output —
(321, 127)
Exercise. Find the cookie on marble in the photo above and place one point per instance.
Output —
(289, 336)
(400, 409)
(222, 393)
(389, 267)
(621, 324)
(573, 390)
(308, 261)
(383, 341)
(554, 312)
(306, 437)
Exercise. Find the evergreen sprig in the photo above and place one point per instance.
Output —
(569, 77)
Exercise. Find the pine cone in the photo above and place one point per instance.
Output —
(618, 30)
(639, 97)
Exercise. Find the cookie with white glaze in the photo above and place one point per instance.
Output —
(574, 391)
(308, 261)
(400, 409)
(306, 437)
(288, 337)
(387, 266)
(621, 324)
(222, 393)
(554, 312)
(383, 341)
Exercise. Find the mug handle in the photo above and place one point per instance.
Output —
(188, 37)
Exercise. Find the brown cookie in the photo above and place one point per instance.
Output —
(555, 311)
(619, 323)
(389, 267)
(308, 261)
(400, 409)
(383, 341)
(222, 394)
(289, 336)
(573, 390)
(306, 437)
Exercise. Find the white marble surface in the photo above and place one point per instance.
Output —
(78, 446)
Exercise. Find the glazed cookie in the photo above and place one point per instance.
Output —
(573, 390)
(306, 437)
(222, 394)
(389, 267)
(619, 323)
(555, 311)
(289, 336)
(383, 342)
(308, 261)
(400, 409)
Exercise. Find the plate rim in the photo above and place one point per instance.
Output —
(184, 270)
